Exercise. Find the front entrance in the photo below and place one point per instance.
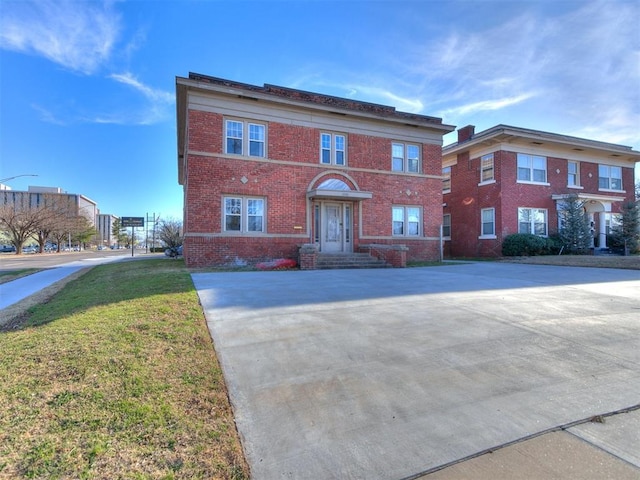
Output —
(334, 227)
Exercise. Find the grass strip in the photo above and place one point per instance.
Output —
(116, 377)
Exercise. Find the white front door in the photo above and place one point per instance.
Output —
(336, 220)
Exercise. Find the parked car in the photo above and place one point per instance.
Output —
(173, 251)
(30, 249)
(7, 248)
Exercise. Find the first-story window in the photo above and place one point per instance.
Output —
(488, 227)
(406, 221)
(532, 220)
(333, 148)
(609, 177)
(244, 214)
(405, 158)
(446, 225)
(245, 138)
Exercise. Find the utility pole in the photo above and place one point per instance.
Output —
(155, 220)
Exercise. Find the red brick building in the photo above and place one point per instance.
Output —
(508, 180)
(270, 172)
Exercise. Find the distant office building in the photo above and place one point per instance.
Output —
(74, 205)
(104, 226)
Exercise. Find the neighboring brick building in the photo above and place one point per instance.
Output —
(268, 170)
(508, 180)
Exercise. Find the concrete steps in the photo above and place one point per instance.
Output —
(328, 261)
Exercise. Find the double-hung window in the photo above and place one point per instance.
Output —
(245, 138)
(406, 221)
(532, 220)
(573, 174)
(486, 168)
(446, 180)
(244, 214)
(446, 225)
(333, 149)
(488, 223)
(609, 177)
(405, 158)
(532, 168)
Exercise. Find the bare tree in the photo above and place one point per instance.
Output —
(21, 223)
(170, 233)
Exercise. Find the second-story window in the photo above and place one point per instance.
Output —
(609, 177)
(333, 149)
(532, 168)
(573, 175)
(245, 138)
(405, 158)
(486, 168)
(446, 180)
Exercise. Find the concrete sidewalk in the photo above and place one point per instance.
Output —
(16, 290)
(397, 373)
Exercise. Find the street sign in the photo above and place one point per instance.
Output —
(132, 222)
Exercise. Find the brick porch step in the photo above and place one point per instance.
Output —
(327, 261)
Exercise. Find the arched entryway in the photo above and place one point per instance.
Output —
(333, 200)
(598, 208)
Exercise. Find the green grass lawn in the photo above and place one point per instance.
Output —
(116, 377)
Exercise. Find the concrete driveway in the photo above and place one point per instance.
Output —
(362, 374)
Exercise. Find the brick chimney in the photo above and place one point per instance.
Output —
(466, 133)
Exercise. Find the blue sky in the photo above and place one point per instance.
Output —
(87, 88)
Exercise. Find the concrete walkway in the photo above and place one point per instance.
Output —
(396, 373)
(16, 290)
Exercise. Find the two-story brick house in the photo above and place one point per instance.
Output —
(508, 180)
(269, 170)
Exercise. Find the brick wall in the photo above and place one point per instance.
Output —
(506, 195)
(283, 180)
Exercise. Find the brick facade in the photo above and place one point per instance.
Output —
(290, 177)
(469, 196)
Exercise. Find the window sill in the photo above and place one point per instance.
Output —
(487, 237)
(543, 184)
(487, 182)
(446, 191)
(577, 187)
(611, 190)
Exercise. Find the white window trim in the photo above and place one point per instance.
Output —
(489, 182)
(622, 190)
(333, 150)
(578, 185)
(446, 237)
(491, 236)
(405, 159)
(246, 140)
(493, 168)
(244, 215)
(546, 220)
(406, 233)
(532, 182)
(447, 190)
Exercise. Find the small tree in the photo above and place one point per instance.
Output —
(170, 233)
(628, 232)
(575, 233)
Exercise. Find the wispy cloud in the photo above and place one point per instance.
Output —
(583, 74)
(79, 36)
(83, 37)
(151, 94)
(486, 105)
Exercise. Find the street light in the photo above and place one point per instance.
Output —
(18, 176)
